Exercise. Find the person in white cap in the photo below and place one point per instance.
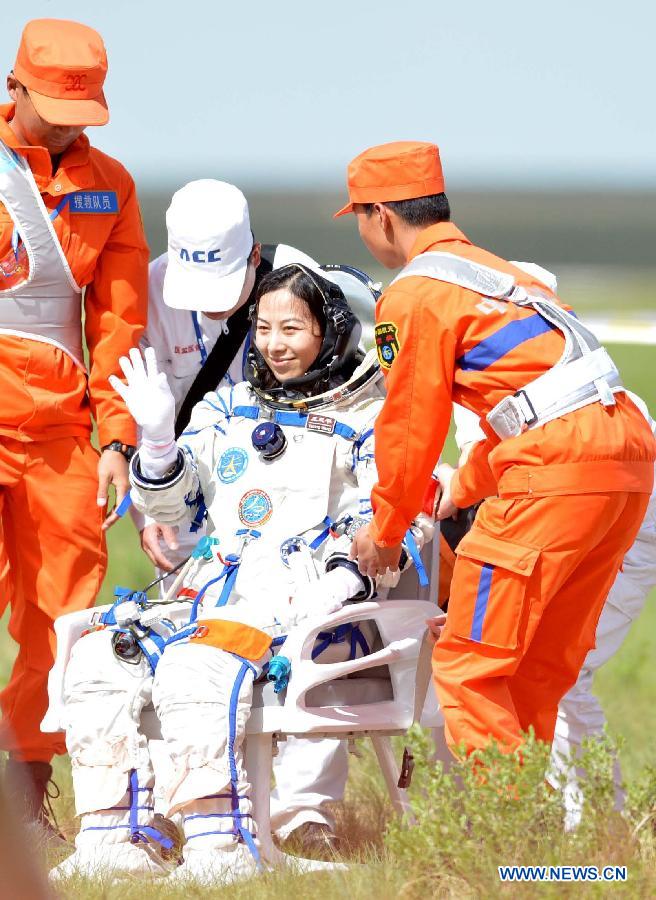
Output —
(198, 300)
(199, 295)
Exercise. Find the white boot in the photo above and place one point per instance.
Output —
(112, 842)
(208, 868)
(221, 847)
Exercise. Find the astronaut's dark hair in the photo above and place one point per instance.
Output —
(339, 353)
(420, 211)
(300, 284)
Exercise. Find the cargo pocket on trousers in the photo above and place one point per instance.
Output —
(488, 595)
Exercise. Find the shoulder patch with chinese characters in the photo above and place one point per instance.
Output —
(97, 202)
(387, 343)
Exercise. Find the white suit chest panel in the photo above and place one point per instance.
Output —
(279, 498)
(313, 479)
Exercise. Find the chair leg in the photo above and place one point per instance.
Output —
(387, 762)
(257, 757)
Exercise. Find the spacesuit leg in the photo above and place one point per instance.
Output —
(580, 714)
(112, 775)
(309, 773)
(203, 697)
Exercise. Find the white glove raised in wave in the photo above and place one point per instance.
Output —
(149, 399)
(324, 596)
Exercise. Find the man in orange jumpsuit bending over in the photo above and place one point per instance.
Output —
(568, 460)
(69, 220)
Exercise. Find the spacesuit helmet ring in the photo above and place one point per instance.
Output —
(341, 329)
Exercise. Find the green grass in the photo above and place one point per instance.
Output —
(465, 826)
(626, 685)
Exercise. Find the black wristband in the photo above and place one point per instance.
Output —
(368, 584)
(127, 450)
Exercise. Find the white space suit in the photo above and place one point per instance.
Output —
(309, 774)
(277, 524)
(580, 714)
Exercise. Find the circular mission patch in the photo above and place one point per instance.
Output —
(232, 464)
(255, 508)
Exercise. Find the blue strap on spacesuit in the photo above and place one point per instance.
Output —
(137, 832)
(239, 829)
(198, 500)
(142, 834)
(243, 834)
(152, 646)
(357, 446)
(182, 634)
(229, 573)
(122, 594)
(295, 419)
(323, 536)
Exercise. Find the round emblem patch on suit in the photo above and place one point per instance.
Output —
(255, 508)
(232, 464)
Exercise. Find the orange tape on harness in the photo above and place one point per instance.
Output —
(234, 637)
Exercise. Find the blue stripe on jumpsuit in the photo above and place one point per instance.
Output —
(482, 597)
(496, 345)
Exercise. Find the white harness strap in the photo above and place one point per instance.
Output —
(46, 306)
(459, 271)
(584, 374)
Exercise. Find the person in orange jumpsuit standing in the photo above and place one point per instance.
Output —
(69, 222)
(568, 459)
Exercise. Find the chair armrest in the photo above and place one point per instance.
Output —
(406, 616)
(404, 640)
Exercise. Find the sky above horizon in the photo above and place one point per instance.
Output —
(267, 96)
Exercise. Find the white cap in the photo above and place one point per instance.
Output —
(210, 240)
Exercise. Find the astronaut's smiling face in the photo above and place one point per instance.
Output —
(286, 334)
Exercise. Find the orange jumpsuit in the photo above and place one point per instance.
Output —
(50, 522)
(567, 497)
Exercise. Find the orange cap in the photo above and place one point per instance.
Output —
(401, 170)
(63, 66)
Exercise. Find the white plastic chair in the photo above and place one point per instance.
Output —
(374, 696)
(350, 699)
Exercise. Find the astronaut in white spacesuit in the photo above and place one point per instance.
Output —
(284, 466)
(199, 328)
